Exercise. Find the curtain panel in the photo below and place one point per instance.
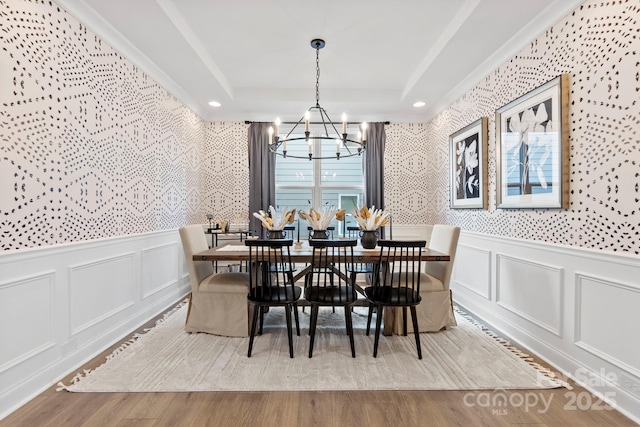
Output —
(262, 173)
(374, 167)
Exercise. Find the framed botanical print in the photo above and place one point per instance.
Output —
(468, 166)
(532, 148)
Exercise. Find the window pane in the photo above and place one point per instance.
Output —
(338, 183)
(292, 171)
(293, 198)
(346, 171)
(343, 199)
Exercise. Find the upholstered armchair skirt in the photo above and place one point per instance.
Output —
(218, 302)
(436, 310)
(220, 306)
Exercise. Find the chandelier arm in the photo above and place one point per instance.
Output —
(293, 128)
(346, 147)
(326, 120)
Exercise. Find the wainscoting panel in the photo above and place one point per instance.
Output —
(475, 274)
(77, 300)
(100, 289)
(28, 303)
(574, 307)
(157, 274)
(530, 290)
(602, 307)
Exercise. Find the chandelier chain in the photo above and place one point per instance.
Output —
(317, 76)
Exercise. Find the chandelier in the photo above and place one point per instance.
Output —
(332, 141)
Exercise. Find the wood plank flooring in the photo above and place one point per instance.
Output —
(556, 407)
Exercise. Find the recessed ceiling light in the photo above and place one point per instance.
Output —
(214, 103)
(419, 104)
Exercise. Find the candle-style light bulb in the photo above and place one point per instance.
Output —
(337, 145)
(344, 122)
(270, 135)
(307, 117)
(364, 131)
(277, 132)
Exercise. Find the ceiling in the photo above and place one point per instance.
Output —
(381, 56)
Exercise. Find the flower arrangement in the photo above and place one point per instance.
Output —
(320, 220)
(273, 220)
(370, 219)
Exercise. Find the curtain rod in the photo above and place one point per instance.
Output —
(248, 122)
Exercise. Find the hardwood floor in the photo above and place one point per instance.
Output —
(556, 407)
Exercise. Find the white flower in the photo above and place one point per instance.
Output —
(471, 156)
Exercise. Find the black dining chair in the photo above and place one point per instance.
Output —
(328, 283)
(396, 285)
(271, 284)
(288, 231)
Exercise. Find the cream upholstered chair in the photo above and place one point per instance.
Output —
(436, 310)
(218, 303)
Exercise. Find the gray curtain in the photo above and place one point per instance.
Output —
(374, 167)
(262, 173)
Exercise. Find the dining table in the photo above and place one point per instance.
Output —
(302, 253)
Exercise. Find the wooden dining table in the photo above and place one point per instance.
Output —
(303, 254)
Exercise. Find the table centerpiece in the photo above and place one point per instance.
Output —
(274, 221)
(369, 221)
(319, 220)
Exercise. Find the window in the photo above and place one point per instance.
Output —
(301, 183)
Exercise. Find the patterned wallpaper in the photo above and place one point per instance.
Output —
(224, 172)
(598, 46)
(91, 147)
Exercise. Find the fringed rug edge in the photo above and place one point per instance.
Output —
(121, 348)
(548, 373)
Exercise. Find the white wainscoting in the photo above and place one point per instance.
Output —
(62, 305)
(476, 276)
(575, 308)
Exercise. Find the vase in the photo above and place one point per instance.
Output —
(369, 239)
(275, 234)
(319, 234)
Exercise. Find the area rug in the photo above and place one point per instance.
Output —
(167, 359)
